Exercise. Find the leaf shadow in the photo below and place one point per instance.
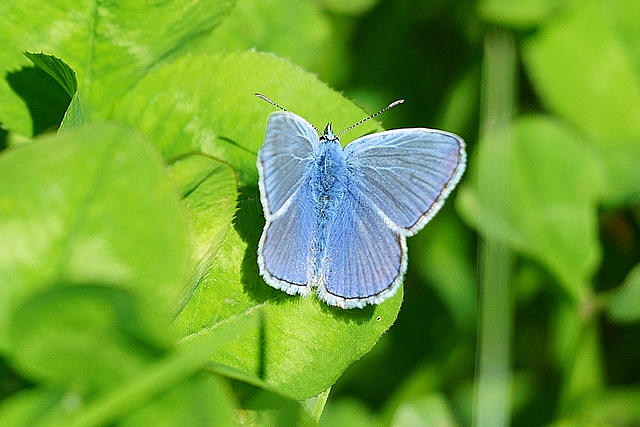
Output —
(4, 135)
(46, 100)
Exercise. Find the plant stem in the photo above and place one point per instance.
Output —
(493, 376)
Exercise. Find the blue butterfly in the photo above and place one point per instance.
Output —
(337, 219)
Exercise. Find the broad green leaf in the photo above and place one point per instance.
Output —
(301, 345)
(91, 205)
(625, 301)
(85, 338)
(208, 189)
(224, 119)
(551, 212)
(585, 73)
(519, 13)
(100, 346)
(110, 45)
(227, 121)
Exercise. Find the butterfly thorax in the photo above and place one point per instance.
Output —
(327, 185)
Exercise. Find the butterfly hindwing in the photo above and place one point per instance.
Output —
(284, 248)
(364, 259)
(407, 173)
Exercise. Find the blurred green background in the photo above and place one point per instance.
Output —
(522, 297)
(552, 88)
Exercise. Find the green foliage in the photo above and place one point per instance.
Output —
(553, 219)
(129, 213)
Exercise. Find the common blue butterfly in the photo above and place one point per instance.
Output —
(337, 219)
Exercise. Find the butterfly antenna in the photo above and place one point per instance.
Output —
(393, 104)
(266, 98)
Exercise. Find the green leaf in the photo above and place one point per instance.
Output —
(66, 77)
(550, 213)
(585, 73)
(91, 205)
(577, 348)
(85, 338)
(208, 189)
(110, 45)
(226, 120)
(625, 301)
(265, 408)
(298, 30)
(37, 94)
(57, 69)
(301, 345)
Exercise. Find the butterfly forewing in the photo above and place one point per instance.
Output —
(284, 158)
(407, 173)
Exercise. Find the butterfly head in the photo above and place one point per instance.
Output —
(328, 135)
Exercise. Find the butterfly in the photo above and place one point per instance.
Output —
(337, 219)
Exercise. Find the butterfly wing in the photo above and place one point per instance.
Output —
(284, 163)
(407, 173)
(364, 259)
(284, 159)
(284, 248)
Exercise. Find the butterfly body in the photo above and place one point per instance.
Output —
(337, 219)
(328, 188)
